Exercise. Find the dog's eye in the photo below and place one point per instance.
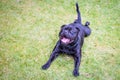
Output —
(78, 29)
(68, 29)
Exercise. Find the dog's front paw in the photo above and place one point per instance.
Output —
(75, 73)
(46, 66)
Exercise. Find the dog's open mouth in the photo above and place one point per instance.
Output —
(66, 40)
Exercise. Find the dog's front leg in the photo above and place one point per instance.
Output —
(52, 57)
(77, 60)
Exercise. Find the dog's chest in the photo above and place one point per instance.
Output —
(67, 50)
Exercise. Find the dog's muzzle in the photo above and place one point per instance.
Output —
(66, 40)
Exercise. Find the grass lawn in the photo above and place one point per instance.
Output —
(29, 30)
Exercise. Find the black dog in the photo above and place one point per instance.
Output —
(71, 41)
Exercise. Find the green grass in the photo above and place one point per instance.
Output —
(27, 37)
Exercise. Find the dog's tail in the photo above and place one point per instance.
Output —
(78, 13)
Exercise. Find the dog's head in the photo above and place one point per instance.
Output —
(68, 34)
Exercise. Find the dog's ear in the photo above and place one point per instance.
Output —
(61, 29)
(63, 26)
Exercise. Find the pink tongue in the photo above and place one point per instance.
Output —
(65, 40)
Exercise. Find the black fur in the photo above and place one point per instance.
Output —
(70, 42)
